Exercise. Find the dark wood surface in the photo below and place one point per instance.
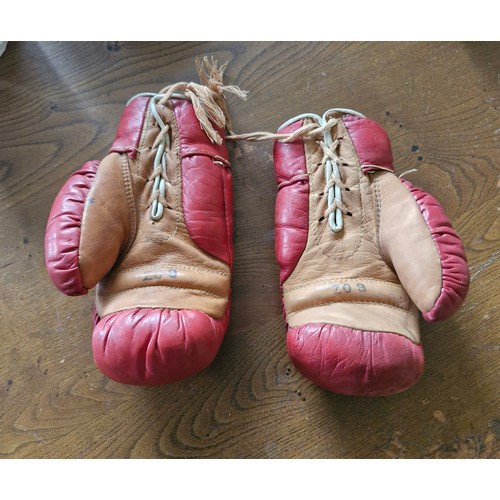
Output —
(59, 106)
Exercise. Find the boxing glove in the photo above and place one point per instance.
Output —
(360, 251)
(150, 226)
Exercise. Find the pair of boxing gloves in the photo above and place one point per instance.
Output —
(361, 251)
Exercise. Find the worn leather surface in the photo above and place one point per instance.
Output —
(62, 239)
(163, 344)
(129, 129)
(292, 217)
(355, 362)
(455, 272)
(162, 298)
(351, 299)
(373, 147)
(207, 194)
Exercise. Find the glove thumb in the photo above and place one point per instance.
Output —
(418, 240)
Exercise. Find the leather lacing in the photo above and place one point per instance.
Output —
(209, 106)
(319, 130)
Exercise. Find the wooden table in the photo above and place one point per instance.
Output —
(60, 104)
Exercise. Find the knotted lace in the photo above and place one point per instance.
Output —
(319, 130)
(209, 105)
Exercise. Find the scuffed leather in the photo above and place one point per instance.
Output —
(455, 271)
(350, 298)
(162, 298)
(205, 169)
(371, 143)
(292, 218)
(355, 362)
(129, 130)
(145, 346)
(62, 236)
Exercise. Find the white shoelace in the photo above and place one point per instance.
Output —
(331, 162)
(162, 145)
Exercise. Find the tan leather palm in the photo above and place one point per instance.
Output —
(160, 265)
(344, 278)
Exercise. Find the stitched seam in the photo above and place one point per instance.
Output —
(147, 126)
(201, 152)
(374, 302)
(227, 217)
(82, 221)
(204, 292)
(175, 266)
(340, 278)
(434, 239)
(191, 151)
(308, 237)
(313, 206)
(129, 192)
(378, 211)
(378, 220)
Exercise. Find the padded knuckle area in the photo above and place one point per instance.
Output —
(355, 362)
(145, 346)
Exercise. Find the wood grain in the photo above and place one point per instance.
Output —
(60, 104)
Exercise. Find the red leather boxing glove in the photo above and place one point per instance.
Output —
(151, 226)
(360, 252)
